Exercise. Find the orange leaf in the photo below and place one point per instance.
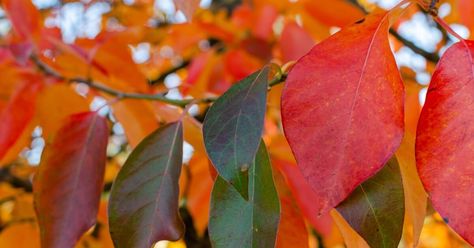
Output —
(415, 195)
(198, 190)
(20, 235)
(292, 230)
(55, 103)
(137, 118)
(333, 13)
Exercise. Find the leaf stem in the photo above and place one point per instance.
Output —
(448, 28)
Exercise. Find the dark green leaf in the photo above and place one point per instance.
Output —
(237, 223)
(233, 128)
(376, 208)
(143, 206)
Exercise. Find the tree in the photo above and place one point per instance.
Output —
(253, 124)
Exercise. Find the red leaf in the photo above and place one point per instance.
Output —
(444, 144)
(24, 16)
(294, 42)
(342, 109)
(17, 114)
(69, 182)
(263, 26)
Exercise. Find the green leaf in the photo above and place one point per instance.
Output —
(237, 223)
(143, 206)
(376, 208)
(233, 128)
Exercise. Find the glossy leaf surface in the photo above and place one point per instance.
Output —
(69, 181)
(445, 139)
(236, 223)
(233, 128)
(376, 208)
(345, 88)
(143, 205)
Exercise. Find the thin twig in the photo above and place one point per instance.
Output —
(432, 57)
(125, 95)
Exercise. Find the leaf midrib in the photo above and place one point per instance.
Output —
(369, 203)
(157, 199)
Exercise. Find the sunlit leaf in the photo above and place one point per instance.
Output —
(347, 87)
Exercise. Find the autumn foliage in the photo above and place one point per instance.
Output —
(255, 123)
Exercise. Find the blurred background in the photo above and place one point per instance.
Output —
(226, 41)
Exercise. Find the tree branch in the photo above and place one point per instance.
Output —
(124, 95)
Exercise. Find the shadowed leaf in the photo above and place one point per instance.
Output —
(69, 181)
(233, 128)
(236, 223)
(143, 206)
(376, 208)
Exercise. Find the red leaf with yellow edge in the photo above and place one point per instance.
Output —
(292, 230)
(69, 180)
(18, 113)
(445, 141)
(347, 87)
(55, 104)
(24, 16)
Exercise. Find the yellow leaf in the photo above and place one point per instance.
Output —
(351, 237)
(415, 195)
